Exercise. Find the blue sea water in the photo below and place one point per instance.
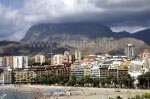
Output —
(18, 95)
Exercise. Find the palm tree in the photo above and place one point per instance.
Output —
(114, 80)
(96, 82)
(102, 81)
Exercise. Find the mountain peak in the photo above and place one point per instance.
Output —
(51, 31)
(79, 31)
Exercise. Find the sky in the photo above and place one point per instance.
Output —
(17, 16)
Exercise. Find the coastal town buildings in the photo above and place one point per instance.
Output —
(65, 58)
(39, 59)
(94, 66)
(33, 74)
(14, 61)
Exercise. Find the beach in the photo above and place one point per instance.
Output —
(11, 92)
(64, 92)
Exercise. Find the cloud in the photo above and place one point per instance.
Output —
(12, 25)
(119, 14)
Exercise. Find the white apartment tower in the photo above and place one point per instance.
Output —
(130, 51)
(58, 59)
(77, 55)
(20, 62)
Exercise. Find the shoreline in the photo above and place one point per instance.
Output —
(76, 92)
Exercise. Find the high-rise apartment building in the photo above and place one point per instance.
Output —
(20, 62)
(7, 61)
(68, 58)
(58, 59)
(77, 55)
(130, 51)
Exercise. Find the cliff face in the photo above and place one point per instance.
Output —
(67, 31)
(93, 38)
(79, 31)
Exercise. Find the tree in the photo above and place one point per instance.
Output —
(102, 81)
(88, 79)
(73, 77)
(30, 62)
(62, 79)
(47, 62)
(126, 80)
(71, 82)
(111, 79)
(114, 80)
(96, 82)
(144, 80)
(80, 81)
(42, 79)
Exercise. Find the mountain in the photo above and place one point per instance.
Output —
(8, 47)
(143, 35)
(70, 31)
(90, 38)
(115, 46)
(4, 43)
(79, 31)
(124, 34)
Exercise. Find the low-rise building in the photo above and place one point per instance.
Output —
(104, 71)
(78, 71)
(95, 72)
(7, 77)
(86, 71)
(32, 74)
(145, 54)
(104, 68)
(24, 76)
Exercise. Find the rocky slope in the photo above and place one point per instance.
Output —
(90, 38)
(79, 31)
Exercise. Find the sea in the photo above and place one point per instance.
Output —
(10, 94)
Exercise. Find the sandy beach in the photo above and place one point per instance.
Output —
(76, 92)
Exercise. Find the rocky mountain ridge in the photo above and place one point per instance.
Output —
(79, 31)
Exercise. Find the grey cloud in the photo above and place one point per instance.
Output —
(109, 12)
(114, 13)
